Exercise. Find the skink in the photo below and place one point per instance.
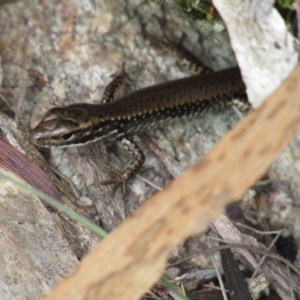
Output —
(79, 124)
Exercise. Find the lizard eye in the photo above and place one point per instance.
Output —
(68, 137)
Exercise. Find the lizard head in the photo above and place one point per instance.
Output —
(63, 126)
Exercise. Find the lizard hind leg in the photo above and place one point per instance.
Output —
(185, 58)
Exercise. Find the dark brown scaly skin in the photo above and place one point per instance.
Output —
(148, 107)
(80, 124)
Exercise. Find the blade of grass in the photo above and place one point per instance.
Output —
(55, 204)
(171, 286)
